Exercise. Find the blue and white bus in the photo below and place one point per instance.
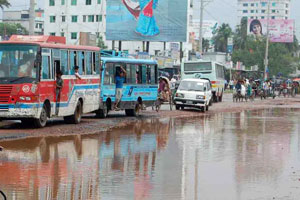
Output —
(211, 70)
(140, 86)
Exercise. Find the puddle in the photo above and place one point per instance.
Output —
(247, 155)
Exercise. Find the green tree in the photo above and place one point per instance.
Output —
(240, 35)
(205, 45)
(100, 43)
(4, 3)
(12, 29)
(220, 39)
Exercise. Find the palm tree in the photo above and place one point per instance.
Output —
(223, 33)
(4, 3)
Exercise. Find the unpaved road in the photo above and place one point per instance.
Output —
(90, 124)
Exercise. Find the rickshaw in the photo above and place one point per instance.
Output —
(165, 97)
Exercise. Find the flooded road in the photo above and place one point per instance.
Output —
(249, 155)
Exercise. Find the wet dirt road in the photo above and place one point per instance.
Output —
(91, 125)
(253, 154)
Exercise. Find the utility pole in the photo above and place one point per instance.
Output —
(267, 44)
(201, 26)
(31, 17)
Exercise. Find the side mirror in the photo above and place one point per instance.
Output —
(205, 89)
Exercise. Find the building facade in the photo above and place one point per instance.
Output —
(258, 9)
(22, 17)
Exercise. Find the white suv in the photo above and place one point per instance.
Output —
(194, 93)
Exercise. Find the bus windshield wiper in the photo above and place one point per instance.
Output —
(19, 78)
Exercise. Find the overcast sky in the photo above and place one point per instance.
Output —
(224, 11)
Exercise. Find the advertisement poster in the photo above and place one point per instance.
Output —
(146, 20)
(280, 30)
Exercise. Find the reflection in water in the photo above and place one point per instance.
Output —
(247, 155)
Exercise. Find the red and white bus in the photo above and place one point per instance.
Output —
(28, 66)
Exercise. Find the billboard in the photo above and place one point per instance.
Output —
(146, 20)
(281, 30)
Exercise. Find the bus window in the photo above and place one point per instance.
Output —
(88, 58)
(153, 74)
(97, 63)
(46, 72)
(109, 76)
(81, 64)
(220, 71)
(143, 70)
(64, 62)
(148, 74)
(128, 74)
(73, 61)
(138, 74)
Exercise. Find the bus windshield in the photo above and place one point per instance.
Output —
(191, 86)
(17, 61)
(197, 67)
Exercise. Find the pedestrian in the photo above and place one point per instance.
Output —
(59, 85)
(225, 84)
(231, 84)
(120, 79)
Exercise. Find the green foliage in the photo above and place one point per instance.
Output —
(4, 3)
(101, 43)
(220, 39)
(205, 45)
(11, 29)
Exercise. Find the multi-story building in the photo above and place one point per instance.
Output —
(22, 17)
(258, 9)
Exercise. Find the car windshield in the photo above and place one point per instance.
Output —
(17, 61)
(191, 86)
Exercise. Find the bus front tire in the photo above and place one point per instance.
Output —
(76, 118)
(42, 120)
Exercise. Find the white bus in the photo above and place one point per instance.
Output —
(211, 70)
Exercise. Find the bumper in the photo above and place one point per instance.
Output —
(190, 103)
(17, 111)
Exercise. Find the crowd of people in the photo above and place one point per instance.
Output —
(270, 87)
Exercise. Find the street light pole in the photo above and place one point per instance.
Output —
(201, 26)
(31, 17)
(267, 44)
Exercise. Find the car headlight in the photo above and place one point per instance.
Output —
(179, 95)
(200, 97)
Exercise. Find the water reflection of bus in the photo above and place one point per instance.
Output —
(140, 87)
(28, 67)
(83, 167)
(206, 69)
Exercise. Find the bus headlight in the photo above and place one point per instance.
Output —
(200, 97)
(27, 98)
(22, 98)
(179, 95)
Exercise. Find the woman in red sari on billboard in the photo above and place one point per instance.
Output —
(144, 13)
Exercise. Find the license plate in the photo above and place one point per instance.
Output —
(189, 102)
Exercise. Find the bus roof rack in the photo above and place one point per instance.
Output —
(113, 53)
(38, 38)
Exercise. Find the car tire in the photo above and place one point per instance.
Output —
(102, 113)
(206, 107)
(177, 107)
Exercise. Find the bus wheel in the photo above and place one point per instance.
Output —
(133, 112)
(76, 118)
(42, 120)
(102, 113)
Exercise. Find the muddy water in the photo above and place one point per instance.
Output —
(248, 155)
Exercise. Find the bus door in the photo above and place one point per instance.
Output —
(47, 83)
